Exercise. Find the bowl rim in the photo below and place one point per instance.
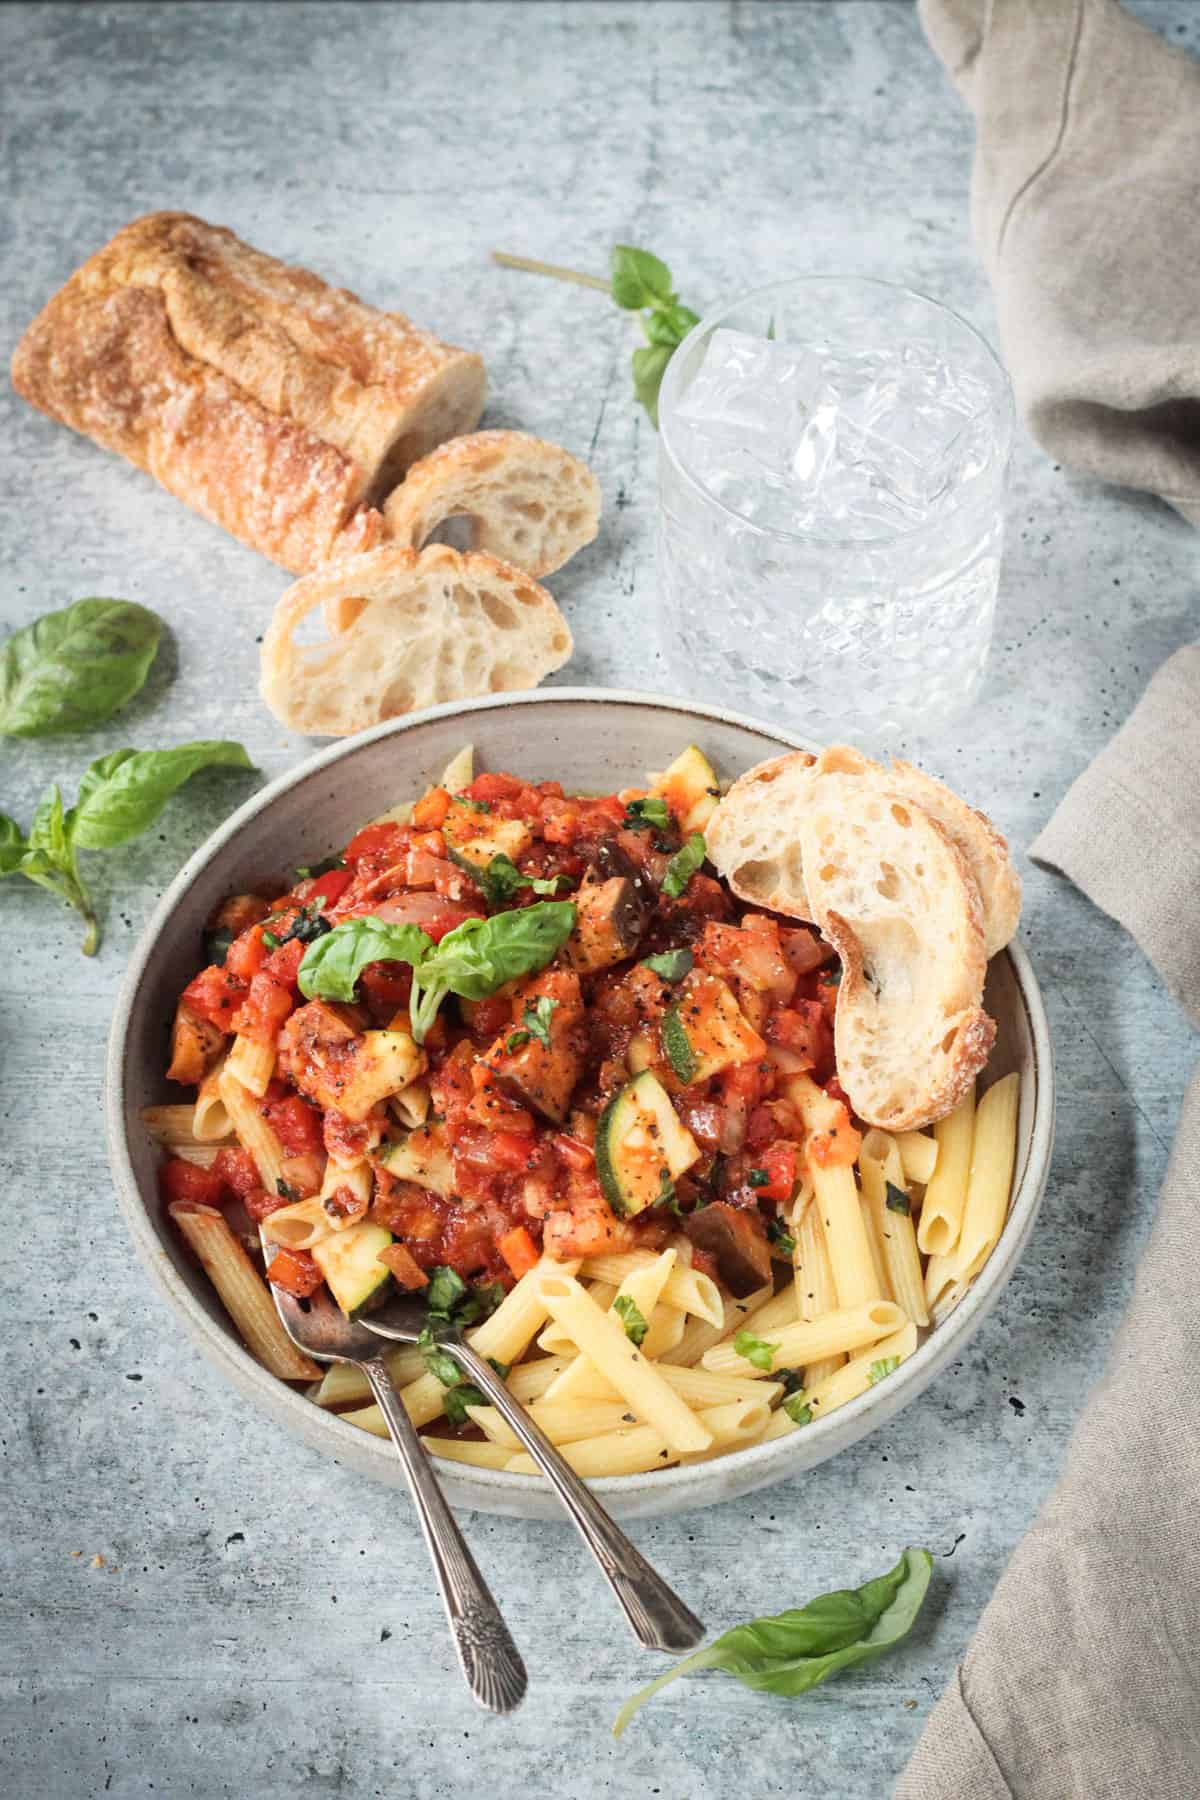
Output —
(689, 1483)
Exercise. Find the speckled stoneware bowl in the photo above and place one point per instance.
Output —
(592, 740)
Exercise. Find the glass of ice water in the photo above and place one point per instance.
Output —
(832, 455)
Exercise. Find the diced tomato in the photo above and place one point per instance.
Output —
(237, 1171)
(827, 992)
(488, 1017)
(329, 887)
(247, 953)
(349, 1140)
(778, 1162)
(180, 1180)
(296, 1124)
(216, 995)
(265, 1009)
(573, 1153)
(839, 1146)
(803, 1028)
(434, 915)
(379, 844)
(295, 1272)
(509, 1149)
(260, 1204)
(494, 787)
(561, 823)
(804, 950)
(283, 965)
(386, 986)
(518, 1250)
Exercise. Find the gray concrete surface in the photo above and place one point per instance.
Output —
(263, 1624)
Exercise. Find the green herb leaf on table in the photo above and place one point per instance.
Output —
(756, 1350)
(671, 965)
(638, 278)
(72, 669)
(119, 796)
(632, 1318)
(794, 1651)
(683, 865)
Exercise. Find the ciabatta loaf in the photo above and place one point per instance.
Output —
(423, 627)
(280, 407)
(524, 500)
(754, 837)
(894, 896)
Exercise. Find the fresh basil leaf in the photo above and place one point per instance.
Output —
(666, 1193)
(48, 831)
(480, 955)
(796, 1410)
(632, 1317)
(536, 1019)
(75, 668)
(649, 364)
(758, 1178)
(13, 845)
(307, 926)
(671, 965)
(683, 866)
(652, 811)
(123, 793)
(268, 938)
(779, 1235)
(440, 1364)
(456, 1400)
(333, 964)
(285, 1190)
(446, 1288)
(669, 324)
(897, 1200)
(516, 1040)
(501, 879)
(795, 1651)
(756, 1350)
(479, 1303)
(637, 278)
(885, 1366)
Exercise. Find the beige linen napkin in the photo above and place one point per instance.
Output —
(1083, 1679)
(1086, 207)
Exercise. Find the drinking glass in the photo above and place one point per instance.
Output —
(832, 457)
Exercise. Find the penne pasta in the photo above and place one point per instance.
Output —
(171, 1126)
(600, 1337)
(808, 1341)
(836, 1197)
(520, 1315)
(299, 1226)
(700, 1336)
(411, 1105)
(815, 1290)
(860, 1373)
(212, 1123)
(993, 1153)
(554, 1340)
(561, 1424)
(343, 1384)
(254, 1134)
(918, 1156)
(630, 1452)
(885, 1195)
(355, 1176)
(530, 1380)
(875, 1243)
(686, 1288)
(946, 1194)
(253, 1063)
(244, 1294)
(733, 1424)
(667, 1326)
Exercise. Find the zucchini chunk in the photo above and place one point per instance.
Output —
(477, 836)
(705, 1031)
(348, 1262)
(641, 1146)
(690, 789)
(421, 1157)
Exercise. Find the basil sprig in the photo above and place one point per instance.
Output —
(500, 879)
(792, 1652)
(120, 795)
(72, 669)
(473, 960)
(683, 865)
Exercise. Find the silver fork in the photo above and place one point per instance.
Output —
(659, 1618)
(491, 1662)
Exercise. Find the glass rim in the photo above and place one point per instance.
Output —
(778, 534)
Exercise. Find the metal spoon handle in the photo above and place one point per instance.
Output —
(659, 1618)
(491, 1662)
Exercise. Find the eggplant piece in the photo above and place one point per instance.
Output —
(738, 1240)
(539, 1076)
(614, 905)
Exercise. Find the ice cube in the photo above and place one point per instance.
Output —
(750, 393)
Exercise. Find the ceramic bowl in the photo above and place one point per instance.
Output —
(592, 740)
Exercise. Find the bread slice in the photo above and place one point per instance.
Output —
(524, 500)
(754, 837)
(894, 896)
(425, 626)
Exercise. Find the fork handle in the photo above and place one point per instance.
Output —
(491, 1662)
(659, 1618)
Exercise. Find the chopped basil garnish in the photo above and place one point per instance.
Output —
(634, 1320)
(648, 814)
(796, 1410)
(516, 1040)
(779, 1235)
(671, 965)
(536, 1019)
(759, 1178)
(886, 1365)
(756, 1350)
(897, 1200)
(683, 866)
(285, 1191)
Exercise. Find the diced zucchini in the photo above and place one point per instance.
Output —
(690, 789)
(421, 1157)
(348, 1261)
(476, 836)
(640, 1053)
(705, 1032)
(641, 1146)
(383, 1063)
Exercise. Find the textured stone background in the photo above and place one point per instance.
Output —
(263, 1625)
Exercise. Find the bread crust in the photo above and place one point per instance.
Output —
(526, 501)
(279, 407)
(426, 626)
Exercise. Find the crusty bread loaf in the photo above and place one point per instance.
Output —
(425, 626)
(276, 405)
(754, 837)
(524, 500)
(896, 899)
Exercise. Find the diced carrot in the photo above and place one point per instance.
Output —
(295, 1272)
(518, 1250)
(404, 1266)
